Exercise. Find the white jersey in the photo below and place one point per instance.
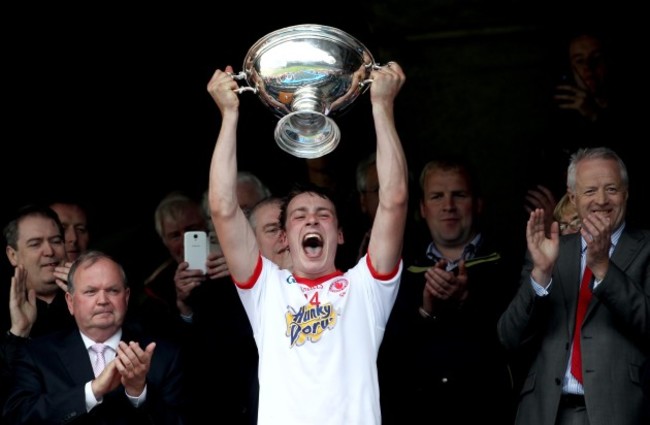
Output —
(318, 343)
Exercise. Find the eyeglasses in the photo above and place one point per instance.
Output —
(573, 226)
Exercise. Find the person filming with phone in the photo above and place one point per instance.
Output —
(585, 89)
(587, 109)
(190, 302)
(168, 289)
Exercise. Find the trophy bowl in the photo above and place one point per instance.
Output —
(305, 74)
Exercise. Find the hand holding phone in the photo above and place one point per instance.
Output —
(195, 245)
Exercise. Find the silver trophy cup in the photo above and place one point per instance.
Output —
(305, 74)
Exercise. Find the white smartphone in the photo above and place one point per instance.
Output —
(196, 247)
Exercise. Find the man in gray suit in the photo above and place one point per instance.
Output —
(615, 334)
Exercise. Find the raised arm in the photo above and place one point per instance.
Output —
(543, 250)
(386, 238)
(233, 230)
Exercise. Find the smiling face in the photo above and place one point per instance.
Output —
(313, 233)
(99, 298)
(448, 207)
(40, 248)
(75, 228)
(599, 189)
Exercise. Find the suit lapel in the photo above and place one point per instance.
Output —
(624, 252)
(626, 249)
(74, 358)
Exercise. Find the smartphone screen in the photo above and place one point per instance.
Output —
(195, 245)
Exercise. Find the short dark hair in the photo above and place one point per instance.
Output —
(10, 231)
(299, 189)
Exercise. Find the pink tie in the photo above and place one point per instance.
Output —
(100, 361)
(583, 303)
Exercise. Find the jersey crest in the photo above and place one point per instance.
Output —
(311, 320)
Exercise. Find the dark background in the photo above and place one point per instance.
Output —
(110, 105)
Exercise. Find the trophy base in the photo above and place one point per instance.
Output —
(307, 134)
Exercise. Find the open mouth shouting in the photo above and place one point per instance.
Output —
(312, 244)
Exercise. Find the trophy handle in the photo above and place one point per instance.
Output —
(364, 83)
(242, 76)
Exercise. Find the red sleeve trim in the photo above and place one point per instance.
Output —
(256, 274)
(379, 276)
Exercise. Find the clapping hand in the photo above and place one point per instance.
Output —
(543, 249)
(133, 363)
(443, 285)
(22, 304)
(61, 273)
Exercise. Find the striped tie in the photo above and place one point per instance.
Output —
(100, 361)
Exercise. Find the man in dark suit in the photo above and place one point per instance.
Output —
(440, 359)
(54, 379)
(35, 245)
(595, 378)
